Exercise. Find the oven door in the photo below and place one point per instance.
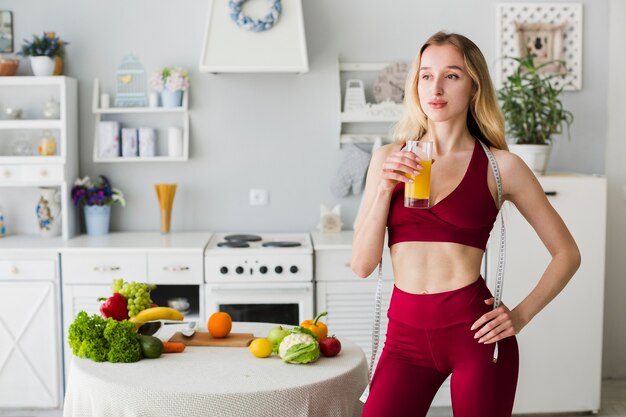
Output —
(281, 303)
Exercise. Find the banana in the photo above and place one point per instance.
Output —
(157, 313)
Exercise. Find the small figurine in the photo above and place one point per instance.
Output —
(330, 220)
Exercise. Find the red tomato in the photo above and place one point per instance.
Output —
(330, 346)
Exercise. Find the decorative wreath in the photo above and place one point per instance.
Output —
(254, 25)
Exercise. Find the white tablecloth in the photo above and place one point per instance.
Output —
(219, 381)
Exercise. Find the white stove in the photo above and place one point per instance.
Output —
(260, 277)
(272, 257)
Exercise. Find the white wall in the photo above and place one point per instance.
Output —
(615, 308)
(279, 131)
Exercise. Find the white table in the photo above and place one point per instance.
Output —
(219, 381)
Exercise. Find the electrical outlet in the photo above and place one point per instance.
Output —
(259, 197)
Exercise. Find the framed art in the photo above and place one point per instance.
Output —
(545, 41)
(550, 30)
(6, 31)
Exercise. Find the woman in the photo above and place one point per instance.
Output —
(441, 319)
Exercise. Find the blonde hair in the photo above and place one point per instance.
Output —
(484, 118)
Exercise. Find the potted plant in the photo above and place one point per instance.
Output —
(46, 54)
(533, 112)
(170, 82)
(96, 197)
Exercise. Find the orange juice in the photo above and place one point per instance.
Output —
(417, 194)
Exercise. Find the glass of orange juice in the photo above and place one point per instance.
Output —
(417, 194)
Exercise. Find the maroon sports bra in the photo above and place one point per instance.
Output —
(465, 216)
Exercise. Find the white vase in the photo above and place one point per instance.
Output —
(535, 156)
(42, 65)
(49, 212)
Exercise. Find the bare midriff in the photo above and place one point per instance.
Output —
(433, 267)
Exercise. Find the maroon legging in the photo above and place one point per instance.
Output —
(429, 338)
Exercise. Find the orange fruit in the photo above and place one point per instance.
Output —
(220, 324)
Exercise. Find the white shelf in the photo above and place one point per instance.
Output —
(31, 160)
(22, 174)
(352, 118)
(30, 124)
(388, 113)
(182, 112)
(121, 110)
(143, 159)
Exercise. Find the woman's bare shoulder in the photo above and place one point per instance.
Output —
(515, 173)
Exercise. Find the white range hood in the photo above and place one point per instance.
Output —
(229, 48)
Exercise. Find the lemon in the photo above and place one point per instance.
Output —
(261, 348)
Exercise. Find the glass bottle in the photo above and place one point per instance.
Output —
(51, 109)
(47, 144)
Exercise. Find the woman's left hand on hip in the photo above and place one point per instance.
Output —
(496, 324)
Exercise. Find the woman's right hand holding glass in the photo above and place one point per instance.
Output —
(398, 167)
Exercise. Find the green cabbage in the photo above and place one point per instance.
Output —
(300, 346)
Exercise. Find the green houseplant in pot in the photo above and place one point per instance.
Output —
(46, 54)
(533, 112)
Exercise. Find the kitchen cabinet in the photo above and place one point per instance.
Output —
(174, 262)
(158, 118)
(22, 169)
(561, 348)
(350, 299)
(366, 124)
(30, 330)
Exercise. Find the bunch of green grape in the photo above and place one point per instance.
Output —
(137, 294)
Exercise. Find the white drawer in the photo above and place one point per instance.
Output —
(42, 173)
(9, 173)
(334, 265)
(27, 270)
(102, 268)
(175, 268)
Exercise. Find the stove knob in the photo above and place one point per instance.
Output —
(278, 269)
(263, 269)
(224, 270)
(239, 270)
(293, 269)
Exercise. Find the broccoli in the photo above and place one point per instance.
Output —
(100, 339)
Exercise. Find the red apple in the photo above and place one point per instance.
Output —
(330, 346)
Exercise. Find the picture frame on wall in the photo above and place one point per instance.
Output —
(545, 42)
(550, 30)
(6, 31)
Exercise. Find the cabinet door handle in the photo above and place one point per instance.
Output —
(348, 264)
(13, 270)
(106, 268)
(550, 193)
(6, 173)
(44, 173)
(175, 268)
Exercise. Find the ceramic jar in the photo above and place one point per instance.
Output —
(49, 212)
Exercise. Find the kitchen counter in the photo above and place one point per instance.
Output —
(219, 381)
(332, 241)
(139, 242)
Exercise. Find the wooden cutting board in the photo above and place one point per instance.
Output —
(205, 339)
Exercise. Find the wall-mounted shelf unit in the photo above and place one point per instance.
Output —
(373, 121)
(159, 118)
